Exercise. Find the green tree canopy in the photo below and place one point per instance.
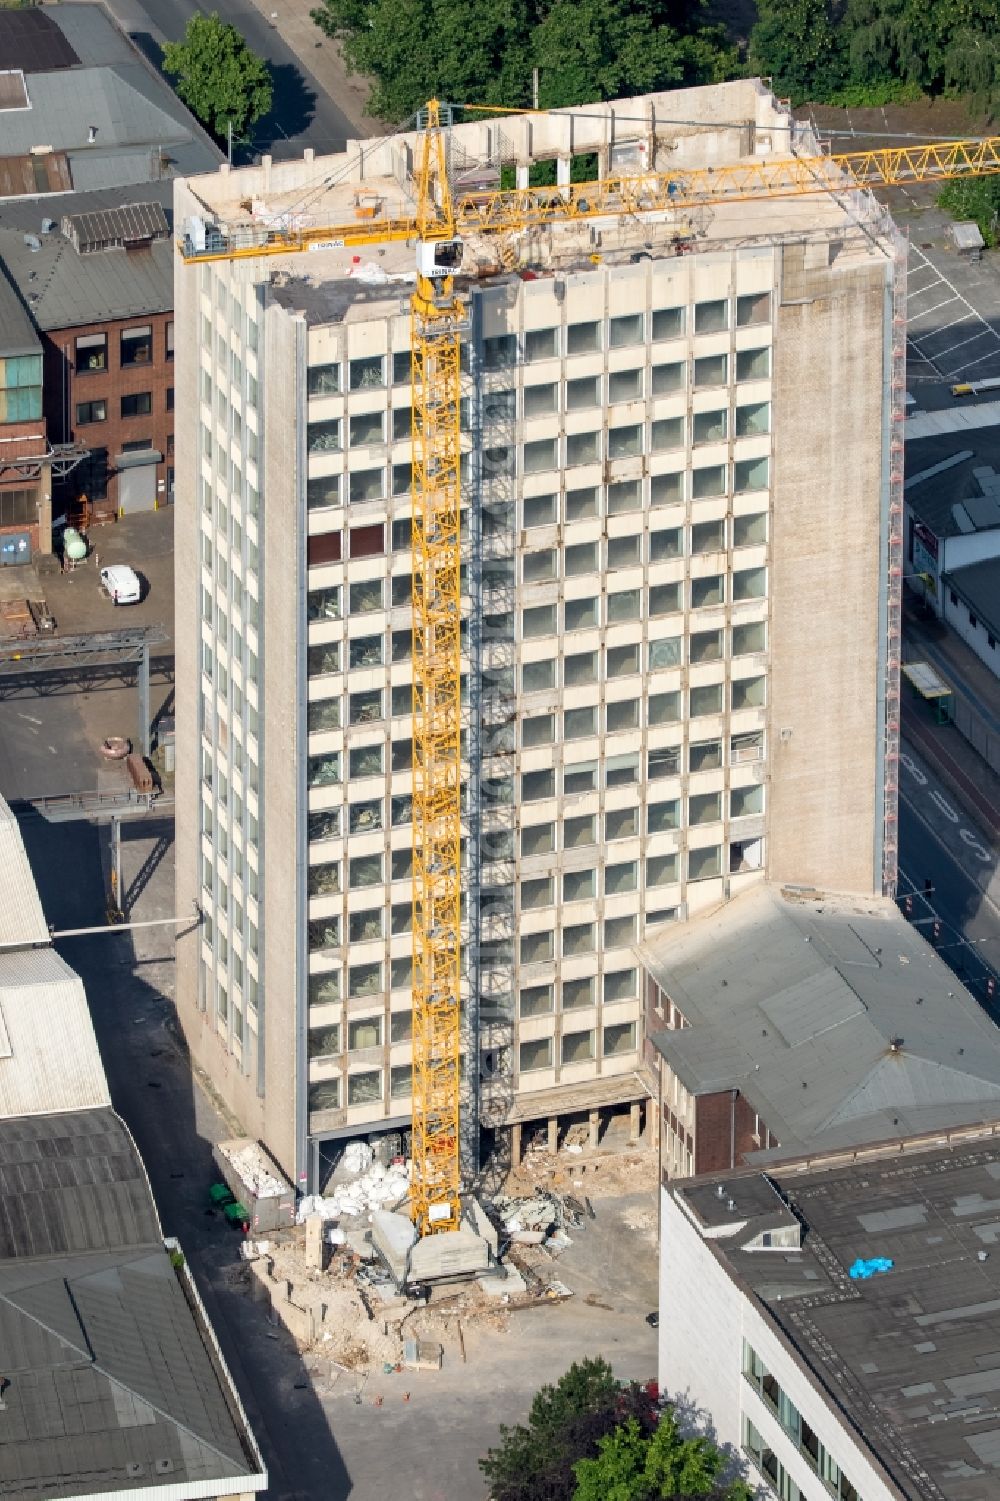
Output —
(219, 78)
(662, 1466)
(534, 1461)
(584, 49)
(794, 44)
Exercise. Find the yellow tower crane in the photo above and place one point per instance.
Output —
(438, 319)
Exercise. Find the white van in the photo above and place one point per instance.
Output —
(122, 584)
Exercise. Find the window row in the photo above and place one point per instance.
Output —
(137, 404)
(578, 1047)
(540, 1000)
(580, 777)
(808, 1444)
(365, 1087)
(581, 668)
(626, 714)
(136, 346)
(622, 605)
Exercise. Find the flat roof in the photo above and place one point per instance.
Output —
(978, 584)
(832, 1015)
(329, 282)
(911, 1356)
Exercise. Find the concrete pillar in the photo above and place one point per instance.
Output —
(635, 1123)
(650, 1123)
(515, 1144)
(594, 1120)
(265, 163)
(553, 1133)
(314, 1241)
(521, 176)
(309, 154)
(564, 166)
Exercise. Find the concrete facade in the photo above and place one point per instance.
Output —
(649, 529)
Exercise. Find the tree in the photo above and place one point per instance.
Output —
(794, 44)
(224, 83)
(662, 1466)
(534, 1462)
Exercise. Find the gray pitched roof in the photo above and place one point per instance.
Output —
(832, 1016)
(17, 336)
(979, 585)
(64, 289)
(111, 1382)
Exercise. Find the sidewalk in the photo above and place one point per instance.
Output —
(321, 56)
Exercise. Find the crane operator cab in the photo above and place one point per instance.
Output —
(438, 258)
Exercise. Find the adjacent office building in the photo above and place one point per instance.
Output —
(682, 484)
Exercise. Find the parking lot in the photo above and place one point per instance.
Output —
(51, 725)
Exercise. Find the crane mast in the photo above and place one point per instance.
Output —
(436, 328)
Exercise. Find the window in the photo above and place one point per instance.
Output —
(536, 785)
(365, 651)
(366, 596)
(710, 427)
(365, 870)
(622, 771)
(664, 761)
(625, 331)
(748, 693)
(324, 1095)
(706, 699)
(539, 400)
(711, 370)
(324, 604)
(753, 418)
(582, 448)
(622, 661)
(535, 1054)
(665, 599)
(364, 979)
(663, 818)
(750, 531)
(579, 832)
(665, 545)
(541, 344)
(626, 495)
(538, 838)
(367, 374)
(91, 353)
(577, 1047)
(579, 723)
(499, 351)
(536, 567)
(710, 480)
(401, 367)
(170, 341)
(539, 455)
(705, 755)
(625, 442)
(749, 583)
(535, 1000)
(703, 864)
(579, 938)
(364, 1089)
(745, 801)
(664, 708)
(704, 807)
(749, 638)
(583, 338)
(323, 493)
(325, 824)
(622, 877)
(749, 475)
(537, 729)
(537, 893)
(623, 715)
(668, 323)
(580, 614)
(323, 437)
(753, 364)
(579, 778)
(580, 558)
(136, 345)
(323, 714)
(667, 378)
(754, 307)
(618, 1039)
(538, 510)
(667, 433)
(366, 484)
(579, 885)
(661, 870)
(323, 771)
(402, 424)
(400, 1081)
(581, 503)
(139, 404)
(368, 427)
(666, 489)
(91, 411)
(538, 621)
(323, 380)
(620, 985)
(536, 948)
(324, 880)
(169, 408)
(365, 817)
(711, 317)
(625, 385)
(623, 604)
(323, 989)
(536, 676)
(665, 653)
(401, 589)
(708, 536)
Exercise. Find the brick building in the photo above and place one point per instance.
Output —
(85, 248)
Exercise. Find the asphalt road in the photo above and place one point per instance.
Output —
(302, 114)
(940, 845)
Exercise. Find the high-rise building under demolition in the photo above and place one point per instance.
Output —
(681, 472)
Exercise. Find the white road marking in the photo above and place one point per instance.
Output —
(30, 719)
(914, 770)
(974, 845)
(945, 806)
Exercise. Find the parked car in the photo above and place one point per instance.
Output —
(122, 583)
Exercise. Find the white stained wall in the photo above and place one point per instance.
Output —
(973, 632)
(701, 1363)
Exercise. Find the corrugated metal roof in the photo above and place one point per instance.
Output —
(21, 917)
(115, 228)
(27, 176)
(54, 1062)
(834, 1017)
